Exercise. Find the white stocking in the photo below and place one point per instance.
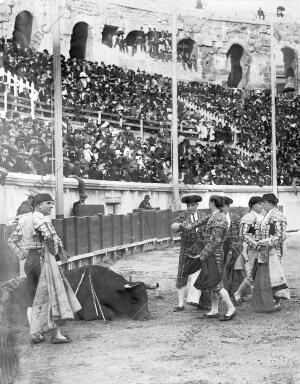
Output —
(181, 294)
(214, 304)
(225, 297)
(29, 314)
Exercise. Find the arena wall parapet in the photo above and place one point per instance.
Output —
(124, 197)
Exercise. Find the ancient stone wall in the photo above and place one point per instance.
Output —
(212, 38)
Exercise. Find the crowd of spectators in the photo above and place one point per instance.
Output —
(156, 44)
(100, 151)
(94, 152)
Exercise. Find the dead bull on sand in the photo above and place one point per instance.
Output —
(104, 293)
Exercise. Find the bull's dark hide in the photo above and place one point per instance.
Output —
(117, 296)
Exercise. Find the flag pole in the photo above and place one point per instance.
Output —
(174, 131)
(273, 94)
(59, 177)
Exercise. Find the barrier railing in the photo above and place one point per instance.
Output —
(96, 239)
(92, 239)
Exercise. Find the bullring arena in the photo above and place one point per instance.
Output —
(126, 108)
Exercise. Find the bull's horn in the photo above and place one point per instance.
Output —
(149, 286)
(131, 286)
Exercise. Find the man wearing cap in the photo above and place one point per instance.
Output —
(249, 232)
(145, 204)
(82, 198)
(35, 232)
(188, 240)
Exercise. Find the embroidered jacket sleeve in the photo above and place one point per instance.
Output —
(219, 226)
(279, 224)
(202, 221)
(45, 228)
(245, 226)
(15, 243)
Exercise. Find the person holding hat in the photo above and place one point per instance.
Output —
(249, 231)
(36, 241)
(270, 284)
(212, 259)
(189, 244)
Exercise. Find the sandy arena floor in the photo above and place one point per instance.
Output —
(175, 348)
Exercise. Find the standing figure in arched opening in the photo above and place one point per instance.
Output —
(23, 28)
(235, 53)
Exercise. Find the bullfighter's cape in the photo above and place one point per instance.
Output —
(54, 299)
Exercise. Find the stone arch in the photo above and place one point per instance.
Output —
(109, 31)
(81, 41)
(23, 28)
(186, 47)
(235, 53)
(131, 37)
(289, 61)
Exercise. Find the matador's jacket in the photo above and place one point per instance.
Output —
(233, 240)
(250, 235)
(214, 237)
(273, 232)
(250, 228)
(190, 239)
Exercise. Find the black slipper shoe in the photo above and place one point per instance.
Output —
(228, 318)
(192, 304)
(37, 338)
(214, 316)
(56, 340)
(178, 309)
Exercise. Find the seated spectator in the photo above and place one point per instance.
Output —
(82, 198)
(145, 204)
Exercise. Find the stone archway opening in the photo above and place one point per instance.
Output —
(79, 40)
(131, 37)
(235, 54)
(23, 28)
(185, 47)
(109, 31)
(289, 61)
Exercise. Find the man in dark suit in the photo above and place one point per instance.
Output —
(82, 198)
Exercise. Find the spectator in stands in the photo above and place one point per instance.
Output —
(261, 14)
(145, 204)
(81, 201)
(211, 114)
(5, 160)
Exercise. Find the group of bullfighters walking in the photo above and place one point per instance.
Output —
(227, 257)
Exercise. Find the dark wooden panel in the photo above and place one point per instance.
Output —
(164, 223)
(95, 233)
(126, 229)
(69, 235)
(89, 210)
(149, 224)
(82, 234)
(137, 227)
(59, 227)
(118, 229)
(107, 231)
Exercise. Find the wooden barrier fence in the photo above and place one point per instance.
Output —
(99, 238)
(94, 239)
